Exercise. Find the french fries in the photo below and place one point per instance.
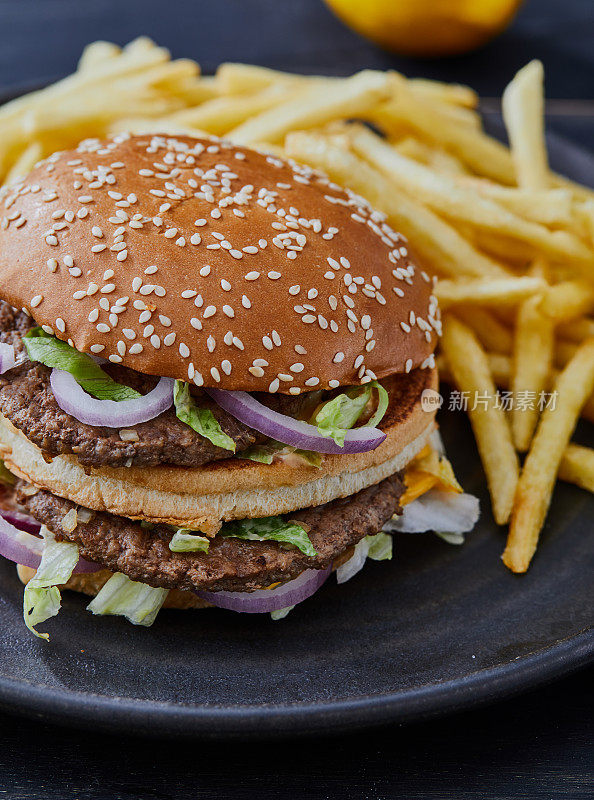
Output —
(496, 292)
(577, 466)
(532, 362)
(511, 243)
(535, 487)
(470, 369)
(524, 119)
(315, 105)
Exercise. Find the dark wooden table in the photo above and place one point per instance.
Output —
(538, 746)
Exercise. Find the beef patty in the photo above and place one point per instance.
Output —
(143, 554)
(27, 400)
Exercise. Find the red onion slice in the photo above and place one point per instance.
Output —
(72, 399)
(7, 357)
(291, 431)
(265, 600)
(21, 521)
(24, 548)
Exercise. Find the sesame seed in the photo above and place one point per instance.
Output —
(184, 350)
(252, 276)
(205, 271)
(36, 300)
(196, 323)
(274, 275)
(144, 317)
(225, 285)
(409, 365)
(103, 328)
(215, 374)
(94, 315)
(338, 358)
(97, 348)
(135, 349)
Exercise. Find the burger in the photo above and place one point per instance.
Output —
(213, 369)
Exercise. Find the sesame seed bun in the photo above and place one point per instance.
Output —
(203, 261)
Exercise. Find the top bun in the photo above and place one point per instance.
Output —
(199, 260)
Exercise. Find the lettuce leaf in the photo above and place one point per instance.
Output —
(270, 529)
(281, 613)
(265, 453)
(58, 354)
(340, 414)
(138, 602)
(380, 546)
(202, 420)
(42, 598)
(186, 541)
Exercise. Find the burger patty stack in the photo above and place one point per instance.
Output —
(212, 368)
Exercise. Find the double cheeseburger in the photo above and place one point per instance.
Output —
(212, 368)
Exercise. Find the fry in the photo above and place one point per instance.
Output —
(567, 300)
(470, 368)
(496, 292)
(576, 330)
(491, 333)
(242, 79)
(437, 242)
(445, 196)
(484, 155)
(97, 53)
(532, 362)
(577, 466)
(522, 106)
(315, 105)
(573, 386)
(548, 207)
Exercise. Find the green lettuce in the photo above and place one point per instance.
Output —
(87, 373)
(340, 414)
(265, 453)
(379, 546)
(202, 420)
(186, 541)
(281, 613)
(270, 529)
(138, 602)
(42, 598)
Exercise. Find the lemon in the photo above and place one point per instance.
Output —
(427, 27)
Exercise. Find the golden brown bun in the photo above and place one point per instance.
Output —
(232, 489)
(85, 236)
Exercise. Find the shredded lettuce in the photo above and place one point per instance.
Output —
(270, 529)
(123, 597)
(379, 546)
(451, 537)
(42, 598)
(265, 453)
(202, 420)
(340, 414)
(186, 541)
(54, 353)
(281, 613)
(6, 476)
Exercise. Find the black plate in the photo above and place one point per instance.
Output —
(437, 629)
